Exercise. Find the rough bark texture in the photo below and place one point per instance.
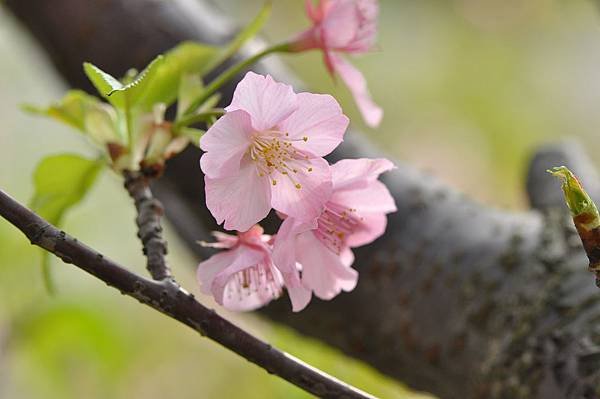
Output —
(149, 212)
(457, 299)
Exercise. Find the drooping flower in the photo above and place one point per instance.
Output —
(266, 152)
(355, 215)
(243, 276)
(344, 27)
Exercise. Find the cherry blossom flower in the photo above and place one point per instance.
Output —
(355, 215)
(267, 152)
(344, 27)
(243, 276)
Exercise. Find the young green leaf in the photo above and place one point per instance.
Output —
(250, 31)
(187, 58)
(86, 113)
(61, 181)
(190, 87)
(104, 83)
(134, 93)
(70, 110)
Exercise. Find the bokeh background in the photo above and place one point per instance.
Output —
(469, 87)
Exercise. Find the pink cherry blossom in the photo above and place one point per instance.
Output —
(344, 27)
(355, 215)
(267, 152)
(243, 276)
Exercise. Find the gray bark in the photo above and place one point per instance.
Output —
(457, 299)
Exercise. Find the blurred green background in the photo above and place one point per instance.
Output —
(469, 88)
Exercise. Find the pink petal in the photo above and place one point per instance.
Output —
(299, 295)
(302, 195)
(241, 200)
(214, 265)
(372, 227)
(347, 257)
(320, 120)
(284, 247)
(284, 257)
(357, 84)
(268, 102)
(322, 270)
(366, 34)
(349, 172)
(340, 23)
(225, 143)
(224, 241)
(368, 198)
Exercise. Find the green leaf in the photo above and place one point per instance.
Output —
(104, 83)
(133, 93)
(85, 113)
(190, 87)
(251, 30)
(61, 181)
(70, 110)
(187, 58)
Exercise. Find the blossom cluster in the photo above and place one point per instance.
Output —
(266, 153)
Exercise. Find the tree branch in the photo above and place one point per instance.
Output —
(168, 298)
(149, 212)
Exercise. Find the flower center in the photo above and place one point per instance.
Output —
(335, 224)
(274, 154)
(255, 280)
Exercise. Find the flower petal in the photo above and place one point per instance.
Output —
(241, 200)
(366, 34)
(284, 257)
(340, 23)
(299, 295)
(268, 102)
(349, 172)
(353, 78)
(347, 257)
(320, 120)
(302, 195)
(208, 269)
(372, 226)
(225, 143)
(322, 270)
(370, 197)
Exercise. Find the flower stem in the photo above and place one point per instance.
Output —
(231, 72)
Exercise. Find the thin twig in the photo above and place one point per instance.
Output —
(149, 212)
(168, 298)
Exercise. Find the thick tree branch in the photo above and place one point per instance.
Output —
(168, 298)
(458, 299)
(149, 213)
